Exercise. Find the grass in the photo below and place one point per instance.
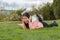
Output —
(11, 31)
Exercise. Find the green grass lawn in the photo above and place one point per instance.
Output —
(11, 31)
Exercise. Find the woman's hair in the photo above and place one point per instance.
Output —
(26, 14)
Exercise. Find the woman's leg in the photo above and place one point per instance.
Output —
(44, 23)
(39, 17)
(53, 24)
(50, 25)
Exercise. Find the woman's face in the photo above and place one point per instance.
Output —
(25, 19)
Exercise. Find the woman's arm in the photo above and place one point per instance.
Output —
(24, 27)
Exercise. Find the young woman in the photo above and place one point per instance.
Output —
(39, 23)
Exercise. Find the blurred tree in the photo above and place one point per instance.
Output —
(14, 17)
(2, 16)
(56, 8)
(47, 12)
(20, 11)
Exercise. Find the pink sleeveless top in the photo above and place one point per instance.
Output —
(34, 25)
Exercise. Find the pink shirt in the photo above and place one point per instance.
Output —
(34, 25)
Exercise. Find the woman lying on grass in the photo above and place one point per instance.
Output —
(38, 23)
